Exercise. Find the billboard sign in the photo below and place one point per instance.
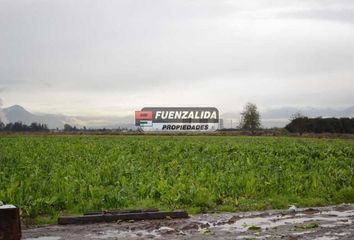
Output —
(177, 119)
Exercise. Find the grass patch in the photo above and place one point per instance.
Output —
(307, 226)
(254, 228)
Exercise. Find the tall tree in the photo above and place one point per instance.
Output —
(68, 127)
(298, 123)
(250, 118)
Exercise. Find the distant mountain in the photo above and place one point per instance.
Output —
(17, 113)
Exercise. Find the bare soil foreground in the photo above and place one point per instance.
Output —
(325, 223)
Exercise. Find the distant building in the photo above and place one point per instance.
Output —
(221, 123)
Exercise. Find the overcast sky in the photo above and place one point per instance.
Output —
(113, 57)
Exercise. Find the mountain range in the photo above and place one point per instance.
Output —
(271, 118)
(17, 113)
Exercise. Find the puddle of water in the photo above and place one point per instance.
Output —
(133, 234)
(252, 237)
(244, 236)
(349, 213)
(165, 229)
(124, 234)
(45, 238)
(326, 238)
(330, 219)
(301, 233)
(342, 234)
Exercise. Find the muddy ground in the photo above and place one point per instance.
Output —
(326, 223)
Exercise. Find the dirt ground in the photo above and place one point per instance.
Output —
(326, 223)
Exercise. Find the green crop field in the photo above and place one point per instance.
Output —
(50, 175)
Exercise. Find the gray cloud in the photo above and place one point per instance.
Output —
(336, 14)
(82, 56)
(3, 118)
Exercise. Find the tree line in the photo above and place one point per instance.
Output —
(251, 121)
(21, 127)
(301, 124)
(38, 127)
(70, 128)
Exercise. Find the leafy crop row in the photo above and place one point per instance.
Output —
(51, 175)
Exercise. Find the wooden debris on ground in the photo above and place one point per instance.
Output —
(122, 215)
